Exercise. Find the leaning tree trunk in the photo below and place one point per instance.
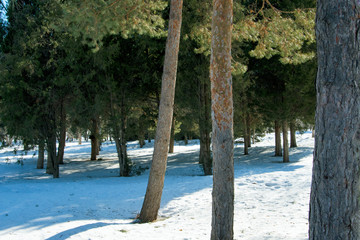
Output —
(155, 186)
(292, 135)
(205, 126)
(285, 142)
(222, 121)
(41, 155)
(278, 150)
(62, 140)
(335, 189)
(172, 136)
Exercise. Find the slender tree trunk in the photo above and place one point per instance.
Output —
(62, 140)
(253, 136)
(313, 132)
(155, 186)
(51, 148)
(285, 142)
(335, 190)
(222, 121)
(79, 138)
(186, 139)
(248, 129)
(49, 162)
(172, 136)
(124, 166)
(41, 155)
(205, 126)
(246, 144)
(94, 139)
(278, 150)
(292, 135)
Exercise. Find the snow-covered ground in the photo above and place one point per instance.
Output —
(89, 201)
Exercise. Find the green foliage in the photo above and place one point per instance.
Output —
(92, 20)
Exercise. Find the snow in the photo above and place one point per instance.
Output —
(89, 201)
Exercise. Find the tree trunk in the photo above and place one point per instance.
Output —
(246, 144)
(41, 155)
(172, 136)
(285, 142)
(248, 129)
(94, 139)
(79, 138)
(186, 139)
(335, 192)
(124, 166)
(205, 126)
(222, 121)
(51, 149)
(278, 150)
(292, 135)
(155, 186)
(62, 139)
(253, 136)
(313, 132)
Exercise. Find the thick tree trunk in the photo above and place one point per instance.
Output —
(94, 139)
(41, 155)
(285, 142)
(335, 190)
(246, 144)
(205, 126)
(62, 139)
(292, 135)
(172, 136)
(155, 186)
(278, 150)
(222, 121)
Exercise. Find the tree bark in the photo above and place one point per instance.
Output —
(205, 126)
(278, 150)
(94, 139)
(155, 186)
(335, 190)
(222, 121)
(172, 136)
(292, 135)
(62, 139)
(41, 155)
(285, 142)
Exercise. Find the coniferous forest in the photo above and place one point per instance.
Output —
(179, 100)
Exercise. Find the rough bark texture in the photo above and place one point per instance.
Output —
(155, 186)
(172, 136)
(62, 139)
(334, 203)
(278, 150)
(94, 139)
(285, 142)
(41, 155)
(222, 121)
(205, 126)
(292, 135)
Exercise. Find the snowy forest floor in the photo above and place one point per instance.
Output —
(89, 201)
